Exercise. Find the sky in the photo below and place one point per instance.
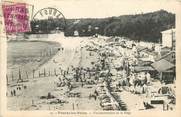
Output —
(104, 8)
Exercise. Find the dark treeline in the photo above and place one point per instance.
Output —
(141, 27)
(47, 26)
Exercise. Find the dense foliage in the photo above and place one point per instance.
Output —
(141, 27)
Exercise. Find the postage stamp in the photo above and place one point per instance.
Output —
(16, 17)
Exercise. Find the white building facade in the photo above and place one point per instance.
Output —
(168, 38)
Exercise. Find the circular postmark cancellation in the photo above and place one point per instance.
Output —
(16, 17)
(48, 20)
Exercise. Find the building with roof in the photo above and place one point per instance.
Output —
(146, 54)
(165, 69)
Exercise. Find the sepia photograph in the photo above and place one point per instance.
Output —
(83, 55)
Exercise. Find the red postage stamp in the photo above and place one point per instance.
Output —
(16, 17)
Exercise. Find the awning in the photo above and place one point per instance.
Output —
(162, 65)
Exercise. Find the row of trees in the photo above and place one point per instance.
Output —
(142, 27)
(47, 26)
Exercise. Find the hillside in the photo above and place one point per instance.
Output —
(141, 27)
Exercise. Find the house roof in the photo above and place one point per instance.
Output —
(165, 49)
(143, 68)
(162, 65)
(140, 48)
(150, 52)
(166, 56)
(144, 63)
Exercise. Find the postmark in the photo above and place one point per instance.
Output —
(48, 20)
(16, 17)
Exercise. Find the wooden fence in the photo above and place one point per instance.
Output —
(21, 75)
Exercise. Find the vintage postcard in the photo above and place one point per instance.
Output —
(90, 58)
